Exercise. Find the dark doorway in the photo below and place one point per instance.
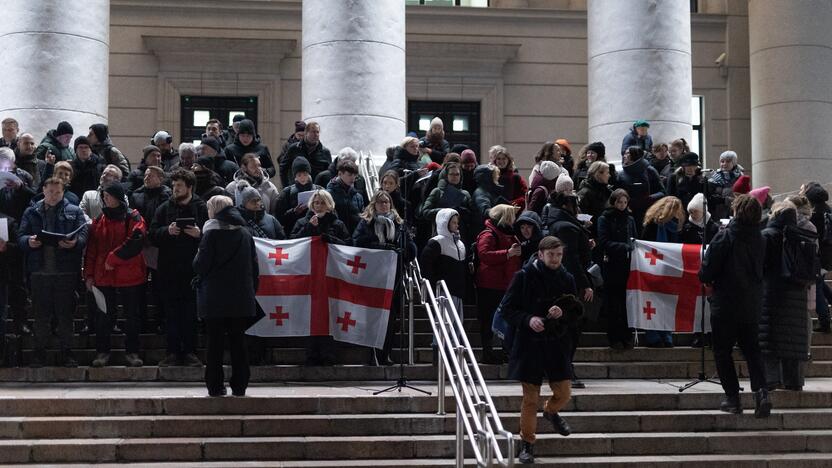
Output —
(460, 118)
(197, 110)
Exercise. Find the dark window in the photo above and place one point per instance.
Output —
(461, 120)
(694, 6)
(197, 110)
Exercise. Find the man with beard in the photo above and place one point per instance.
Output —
(218, 161)
(99, 138)
(176, 230)
(170, 157)
(208, 182)
(56, 143)
(312, 149)
(25, 159)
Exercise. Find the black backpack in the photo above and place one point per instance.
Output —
(799, 259)
(474, 258)
(825, 236)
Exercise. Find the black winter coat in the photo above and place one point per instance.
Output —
(261, 224)
(577, 251)
(86, 175)
(693, 234)
(176, 253)
(330, 228)
(319, 158)
(147, 200)
(532, 292)
(642, 183)
(616, 229)
(284, 210)
(348, 202)
(593, 199)
(439, 149)
(235, 152)
(528, 247)
(226, 265)
(488, 194)
(683, 187)
(734, 266)
(783, 322)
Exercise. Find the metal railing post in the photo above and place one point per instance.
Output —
(411, 352)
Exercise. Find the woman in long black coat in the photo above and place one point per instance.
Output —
(784, 334)
(226, 265)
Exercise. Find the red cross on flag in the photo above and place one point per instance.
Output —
(311, 288)
(663, 289)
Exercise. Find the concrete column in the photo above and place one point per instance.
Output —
(639, 67)
(55, 63)
(354, 72)
(791, 100)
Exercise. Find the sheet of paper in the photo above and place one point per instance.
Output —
(303, 197)
(99, 299)
(4, 229)
(9, 177)
(583, 217)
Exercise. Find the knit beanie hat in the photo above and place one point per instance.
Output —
(564, 184)
(549, 170)
(149, 149)
(300, 126)
(64, 128)
(760, 194)
(468, 156)
(436, 121)
(641, 123)
(211, 142)
(205, 162)
(246, 193)
(301, 164)
(246, 126)
(697, 202)
(689, 159)
(81, 140)
(116, 190)
(742, 185)
(598, 147)
(100, 131)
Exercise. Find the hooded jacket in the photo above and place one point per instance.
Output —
(439, 148)
(226, 264)
(528, 246)
(268, 192)
(444, 256)
(632, 139)
(488, 194)
(577, 250)
(116, 239)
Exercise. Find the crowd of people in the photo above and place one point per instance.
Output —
(83, 222)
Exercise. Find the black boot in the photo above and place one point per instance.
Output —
(762, 405)
(560, 424)
(731, 404)
(823, 328)
(526, 454)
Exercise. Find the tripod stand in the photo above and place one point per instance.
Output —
(401, 382)
(702, 377)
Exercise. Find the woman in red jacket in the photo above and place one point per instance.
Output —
(514, 185)
(115, 265)
(499, 258)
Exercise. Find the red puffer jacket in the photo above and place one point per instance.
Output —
(495, 270)
(114, 242)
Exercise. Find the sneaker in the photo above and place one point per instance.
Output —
(69, 361)
(560, 424)
(731, 404)
(238, 393)
(133, 360)
(217, 393)
(169, 360)
(526, 454)
(101, 360)
(191, 360)
(116, 330)
(762, 404)
(576, 383)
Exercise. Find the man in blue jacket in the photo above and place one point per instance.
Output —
(53, 267)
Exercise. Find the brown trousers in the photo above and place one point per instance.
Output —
(561, 392)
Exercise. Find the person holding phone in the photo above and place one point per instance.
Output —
(176, 230)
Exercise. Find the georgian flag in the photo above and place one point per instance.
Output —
(311, 288)
(663, 289)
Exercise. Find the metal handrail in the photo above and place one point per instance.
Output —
(367, 170)
(476, 414)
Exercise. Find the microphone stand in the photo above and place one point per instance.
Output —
(401, 382)
(702, 377)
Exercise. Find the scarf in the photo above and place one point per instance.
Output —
(385, 228)
(667, 232)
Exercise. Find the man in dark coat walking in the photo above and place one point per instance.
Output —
(542, 345)
(733, 267)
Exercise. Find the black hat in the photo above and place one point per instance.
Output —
(64, 128)
(149, 149)
(212, 142)
(300, 164)
(598, 147)
(204, 161)
(116, 190)
(101, 131)
(246, 126)
(81, 140)
(689, 159)
(636, 153)
(300, 126)
(238, 118)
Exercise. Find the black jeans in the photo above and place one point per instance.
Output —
(234, 329)
(129, 298)
(726, 333)
(53, 296)
(180, 310)
(615, 308)
(487, 302)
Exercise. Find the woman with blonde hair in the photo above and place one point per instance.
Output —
(663, 222)
(382, 228)
(499, 258)
(321, 220)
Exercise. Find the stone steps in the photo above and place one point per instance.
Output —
(231, 425)
(403, 446)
